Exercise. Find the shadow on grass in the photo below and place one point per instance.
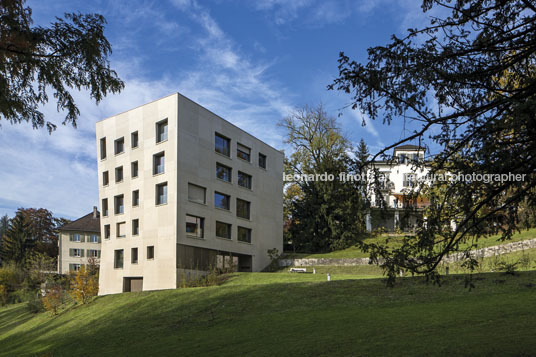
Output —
(340, 317)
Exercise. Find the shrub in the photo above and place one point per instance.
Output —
(53, 299)
(84, 286)
(35, 304)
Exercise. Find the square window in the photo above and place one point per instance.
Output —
(222, 144)
(135, 227)
(243, 152)
(134, 140)
(134, 169)
(119, 146)
(150, 252)
(196, 193)
(244, 234)
(119, 174)
(94, 238)
(119, 206)
(134, 255)
(223, 230)
(118, 259)
(121, 229)
(158, 163)
(105, 178)
(242, 208)
(76, 252)
(223, 172)
(161, 193)
(136, 198)
(195, 226)
(222, 200)
(103, 148)
(106, 231)
(244, 180)
(162, 131)
(74, 267)
(77, 237)
(262, 160)
(105, 207)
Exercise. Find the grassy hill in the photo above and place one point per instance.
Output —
(290, 314)
(355, 252)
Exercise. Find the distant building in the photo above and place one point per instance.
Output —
(79, 241)
(183, 190)
(398, 178)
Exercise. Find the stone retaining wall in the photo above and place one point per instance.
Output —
(477, 253)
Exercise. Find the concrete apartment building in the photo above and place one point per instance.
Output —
(182, 189)
(78, 241)
(400, 177)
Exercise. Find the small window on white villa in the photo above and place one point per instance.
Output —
(105, 207)
(161, 193)
(76, 237)
(158, 163)
(136, 198)
(244, 234)
(162, 131)
(118, 259)
(223, 172)
(119, 174)
(93, 238)
(103, 148)
(119, 146)
(134, 169)
(196, 193)
(74, 267)
(150, 252)
(135, 227)
(223, 230)
(119, 206)
(120, 229)
(194, 226)
(243, 152)
(93, 253)
(106, 231)
(409, 180)
(105, 178)
(134, 140)
(75, 252)
(134, 255)
(262, 160)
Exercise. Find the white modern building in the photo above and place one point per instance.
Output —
(78, 242)
(181, 190)
(397, 179)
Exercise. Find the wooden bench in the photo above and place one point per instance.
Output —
(298, 270)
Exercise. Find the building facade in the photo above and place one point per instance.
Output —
(182, 190)
(397, 178)
(78, 242)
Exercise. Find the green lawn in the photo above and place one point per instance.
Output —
(266, 314)
(355, 252)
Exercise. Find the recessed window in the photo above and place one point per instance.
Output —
(134, 169)
(195, 226)
(243, 152)
(223, 172)
(244, 234)
(196, 193)
(135, 227)
(222, 200)
(106, 231)
(158, 163)
(242, 208)
(222, 144)
(118, 259)
(244, 180)
(121, 229)
(105, 207)
(134, 139)
(134, 255)
(262, 160)
(223, 230)
(105, 178)
(119, 174)
(119, 146)
(103, 148)
(136, 198)
(150, 252)
(161, 193)
(119, 206)
(93, 238)
(162, 131)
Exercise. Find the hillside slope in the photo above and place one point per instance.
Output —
(289, 314)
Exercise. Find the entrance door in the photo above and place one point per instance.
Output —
(132, 284)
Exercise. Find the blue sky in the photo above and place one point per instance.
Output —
(250, 62)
